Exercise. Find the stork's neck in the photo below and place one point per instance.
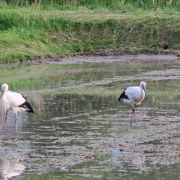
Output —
(2, 93)
(143, 88)
(139, 99)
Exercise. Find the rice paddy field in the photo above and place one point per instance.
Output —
(71, 59)
(80, 131)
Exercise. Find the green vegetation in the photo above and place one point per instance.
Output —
(66, 28)
(94, 4)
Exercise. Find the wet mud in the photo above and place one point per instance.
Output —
(89, 136)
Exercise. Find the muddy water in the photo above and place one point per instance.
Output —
(80, 131)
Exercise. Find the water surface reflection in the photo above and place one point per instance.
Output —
(10, 168)
(85, 133)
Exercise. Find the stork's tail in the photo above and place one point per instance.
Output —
(27, 107)
(123, 96)
(119, 98)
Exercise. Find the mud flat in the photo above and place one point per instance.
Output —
(80, 131)
(105, 58)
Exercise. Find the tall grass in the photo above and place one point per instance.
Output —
(94, 4)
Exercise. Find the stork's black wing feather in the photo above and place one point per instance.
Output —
(123, 96)
(27, 106)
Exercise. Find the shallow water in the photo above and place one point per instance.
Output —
(80, 131)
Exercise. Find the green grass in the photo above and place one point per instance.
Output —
(94, 4)
(29, 33)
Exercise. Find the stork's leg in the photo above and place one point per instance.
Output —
(2, 122)
(132, 114)
(15, 124)
(133, 110)
(15, 120)
(5, 119)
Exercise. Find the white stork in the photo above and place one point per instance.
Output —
(134, 95)
(12, 101)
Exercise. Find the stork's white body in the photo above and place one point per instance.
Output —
(12, 101)
(134, 95)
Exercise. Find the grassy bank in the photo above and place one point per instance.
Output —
(30, 32)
